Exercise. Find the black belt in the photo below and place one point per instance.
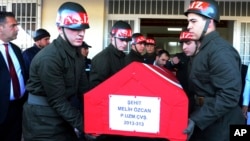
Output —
(37, 100)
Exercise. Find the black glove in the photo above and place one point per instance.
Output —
(89, 137)
(190, 129)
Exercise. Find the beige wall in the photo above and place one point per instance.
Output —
(95, 9)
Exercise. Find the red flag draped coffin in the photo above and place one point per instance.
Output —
(140, 100)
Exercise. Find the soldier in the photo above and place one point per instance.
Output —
(149, 56)
(112, 58)
(56, 75)
(214, 76)
(137, 48)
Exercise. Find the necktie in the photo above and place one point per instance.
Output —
(14, 78)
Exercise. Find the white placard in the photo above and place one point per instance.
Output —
(134, 113)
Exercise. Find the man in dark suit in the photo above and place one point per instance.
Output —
(12, 76)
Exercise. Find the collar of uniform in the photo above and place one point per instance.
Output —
(135, 53)
(206, 39)
(116, 51)
(72, 51)
(35, 46)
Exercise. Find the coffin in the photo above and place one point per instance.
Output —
(140, 100)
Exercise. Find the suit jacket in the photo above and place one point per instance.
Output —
(5, 81)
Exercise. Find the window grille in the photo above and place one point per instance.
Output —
(26, 12)
(245, 43)
(170, 7)
(234, 8)
(174, 7)
(2, 7)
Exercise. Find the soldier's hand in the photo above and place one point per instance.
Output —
(244, 111)
(190, 129)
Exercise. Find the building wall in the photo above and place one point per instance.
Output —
(95, 10)
(99, 17)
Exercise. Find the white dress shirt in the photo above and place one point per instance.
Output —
(17, 68)
(246, 92)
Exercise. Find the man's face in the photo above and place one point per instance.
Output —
(120, 44)
(162, 60)
(43, 42)
(150, 48)
(9, 29)
(196, 25)
(140, 47)
(85, 52)
(189, 48)
(75, 37)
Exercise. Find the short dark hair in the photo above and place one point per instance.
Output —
(4, 14)
(160, 52)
